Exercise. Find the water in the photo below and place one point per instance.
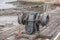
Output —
(3, 4)
(7, 19)
(6, 1)
(6, 6)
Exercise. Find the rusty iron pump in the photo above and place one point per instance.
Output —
(32, 21)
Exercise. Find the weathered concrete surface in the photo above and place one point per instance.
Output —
(10, 29)
(52, 28)
(8, 24)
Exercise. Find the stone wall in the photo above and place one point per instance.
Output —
(36, 0)
(31, 0)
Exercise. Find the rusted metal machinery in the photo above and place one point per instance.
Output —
(32, 21)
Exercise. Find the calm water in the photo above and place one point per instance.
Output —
(6, 1)
(6, 6)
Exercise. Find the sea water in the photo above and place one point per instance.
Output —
(3, 4)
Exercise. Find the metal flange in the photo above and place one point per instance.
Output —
(44, 19)
(24, 18)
